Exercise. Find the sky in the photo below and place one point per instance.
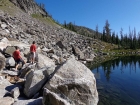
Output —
(90, 13)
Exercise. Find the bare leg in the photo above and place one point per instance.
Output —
(33, 58)
(23, 62)
(17, 66)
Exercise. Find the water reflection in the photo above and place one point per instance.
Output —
(124, 61)
(118, 81)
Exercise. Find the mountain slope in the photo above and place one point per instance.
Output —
(87, 32)
(21, 26)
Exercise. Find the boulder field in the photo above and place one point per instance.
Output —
(45, 82)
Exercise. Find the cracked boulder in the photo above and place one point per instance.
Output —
(72, 84)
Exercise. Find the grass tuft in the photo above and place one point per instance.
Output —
(45, 19)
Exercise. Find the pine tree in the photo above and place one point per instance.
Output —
(134, 40)
(65, 24)
(97, 33)
(107, 30)
(139, 40)
(103, 35)
(130, 39)
(122, 40)
(113, 40)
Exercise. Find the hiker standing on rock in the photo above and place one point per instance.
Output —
(33, 52)
(17, 57)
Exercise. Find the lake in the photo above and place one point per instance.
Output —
(118, 81)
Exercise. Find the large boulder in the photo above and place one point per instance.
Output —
(27, 69)
(44, 61)
(3, 84)
(6, 101)
(15, 93)
(10, 72)
(54, 99)
(35, 81)
(74, 83)
(3, 46)
(21, 45)
(4, 43)
(78, 52)
(10, 61)
(3, 26)
(9, 50)
(61, 45)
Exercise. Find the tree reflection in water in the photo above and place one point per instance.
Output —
(108, 66)
(118, 81)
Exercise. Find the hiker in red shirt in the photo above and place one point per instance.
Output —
(33, 52)
(17, 57)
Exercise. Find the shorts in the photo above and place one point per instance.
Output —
(32, 55)
(19, 60)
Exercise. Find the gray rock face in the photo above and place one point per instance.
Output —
(74, 81)
(50, 70)
(29, 6)
(9, 72)
(9, 50)
(3, 84)
(15, 93)
(44, 61)
(10, 61)
(3, 26)
(6, 41)
(78, 53)
(3, 46)
(2, 91)
(6, 101)
(27, 69)
(37, 101)
(60, 44)
(54, 99)
(35, 81)
(2, 62)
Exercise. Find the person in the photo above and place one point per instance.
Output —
(33, 52)
(18, 58)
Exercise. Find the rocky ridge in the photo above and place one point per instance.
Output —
(30, 7)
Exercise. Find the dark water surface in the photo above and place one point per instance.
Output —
(118, 81)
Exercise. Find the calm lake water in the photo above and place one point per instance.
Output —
(118, 81)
